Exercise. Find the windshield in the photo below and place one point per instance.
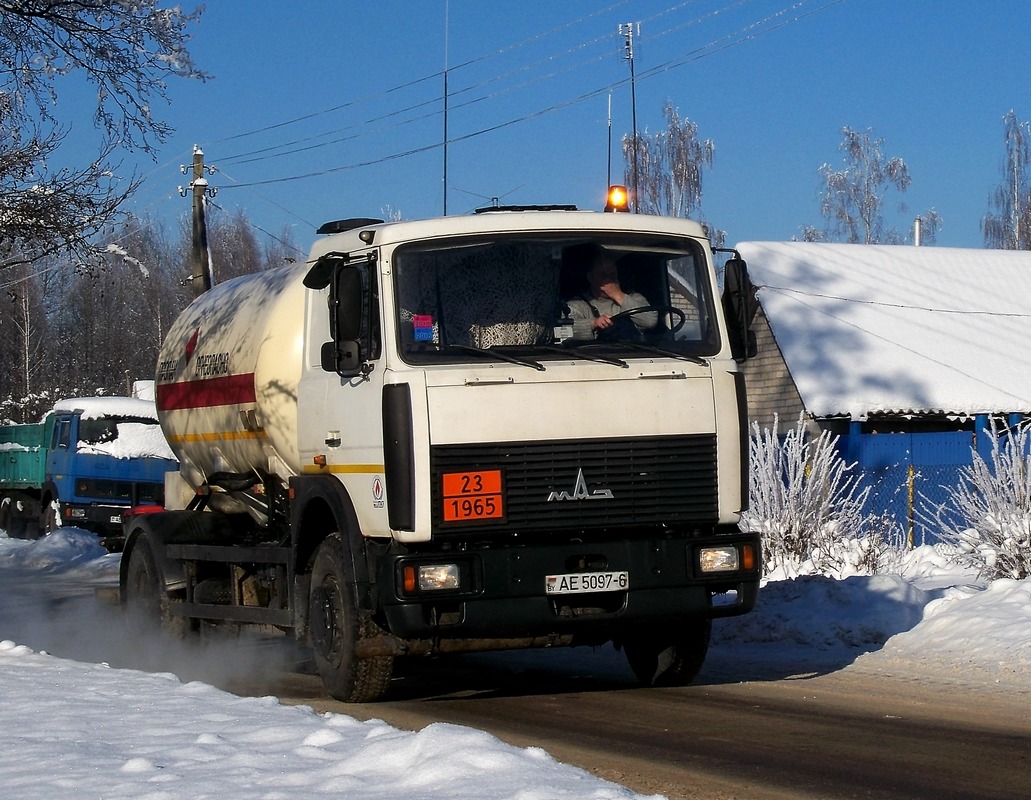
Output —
(550, 297)
(122, 437)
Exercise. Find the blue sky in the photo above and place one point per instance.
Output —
(352, 87)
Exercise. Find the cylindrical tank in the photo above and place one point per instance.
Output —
(227, 377)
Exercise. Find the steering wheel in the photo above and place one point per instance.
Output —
(679, 316)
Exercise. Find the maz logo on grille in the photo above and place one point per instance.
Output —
(580, 491)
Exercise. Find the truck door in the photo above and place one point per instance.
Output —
(340, 393)
(62, 434)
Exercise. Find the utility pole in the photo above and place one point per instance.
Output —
(608, 170)
(200, 279)
(627, 31)
(446, 13)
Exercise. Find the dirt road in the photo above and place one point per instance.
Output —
(853, 732)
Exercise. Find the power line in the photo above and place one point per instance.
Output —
(254, 155)
(243, 158)
(423, 79)
(858, 301)
(740, 36)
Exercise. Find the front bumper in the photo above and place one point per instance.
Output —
(93, 515)
(503, 590)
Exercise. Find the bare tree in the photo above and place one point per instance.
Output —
(669, 168)
(852, 199)
(126, 50)
(88, 325)
(1009, 227)
(280, 250)
(234, 246)
(22, 333)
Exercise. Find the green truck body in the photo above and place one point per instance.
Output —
(22, 451)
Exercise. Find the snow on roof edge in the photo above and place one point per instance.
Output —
(872, 330)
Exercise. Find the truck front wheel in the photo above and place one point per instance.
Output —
(669, 658)
(50, 519)
(336, 628)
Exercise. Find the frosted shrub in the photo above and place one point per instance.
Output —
(808, 506)
(986, 522)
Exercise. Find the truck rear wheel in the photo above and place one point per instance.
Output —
(665, 658)
(14, 518)
(144, 594)
(336, 628)
(8, 518)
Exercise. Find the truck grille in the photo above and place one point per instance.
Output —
(119, 491)
(651, 480)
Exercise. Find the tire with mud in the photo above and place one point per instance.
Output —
(144, 595)
(336, 627)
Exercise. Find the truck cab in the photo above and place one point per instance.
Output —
(99, 464)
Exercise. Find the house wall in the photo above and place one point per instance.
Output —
(771, 389)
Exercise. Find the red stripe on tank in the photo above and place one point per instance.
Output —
(223, 391)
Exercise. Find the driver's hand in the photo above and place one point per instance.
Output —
(613, 291)
(601, 322)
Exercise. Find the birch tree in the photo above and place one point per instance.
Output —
(670, 166)
(1007, 225)
(852, 198)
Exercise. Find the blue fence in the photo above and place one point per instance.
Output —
(910, 474)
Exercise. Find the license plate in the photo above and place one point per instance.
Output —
(116, 519)
(583, 582)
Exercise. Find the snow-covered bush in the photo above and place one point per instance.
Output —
(808, 506)
(986, 522)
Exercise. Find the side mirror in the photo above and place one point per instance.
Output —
(343, 355)
(740, 306)
(343, 358)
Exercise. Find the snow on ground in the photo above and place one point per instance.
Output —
(90, 728)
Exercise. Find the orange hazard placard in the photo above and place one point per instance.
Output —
(472, 495)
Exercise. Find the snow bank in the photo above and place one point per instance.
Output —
(105, 732)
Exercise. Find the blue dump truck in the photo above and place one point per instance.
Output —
(85, 464)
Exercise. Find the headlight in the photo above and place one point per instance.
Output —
(430, 577)
(718, 559)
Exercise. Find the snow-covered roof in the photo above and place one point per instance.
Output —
(98, 407)
(868, 329)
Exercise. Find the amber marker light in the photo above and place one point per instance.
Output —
(748, 557)
(618, 199)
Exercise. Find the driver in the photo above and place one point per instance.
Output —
(596, 311)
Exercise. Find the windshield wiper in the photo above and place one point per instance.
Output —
(576, 350)
(645, 348)
(483, 351)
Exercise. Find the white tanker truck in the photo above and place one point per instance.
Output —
(417, 442)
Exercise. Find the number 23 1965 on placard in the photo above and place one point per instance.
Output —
(472, 495)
